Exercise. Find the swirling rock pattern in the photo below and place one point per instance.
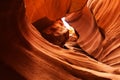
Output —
(28, 56)
(107, 14)
(90, 37)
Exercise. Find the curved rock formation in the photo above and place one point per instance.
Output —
(84, 23)
(24, 53)
(53, 9)
(107, 14)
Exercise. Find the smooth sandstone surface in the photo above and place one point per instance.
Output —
(26, 55)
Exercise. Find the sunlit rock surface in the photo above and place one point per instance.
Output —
(26, 55)
(53, 9)
(53, 31)
(107, 14)
(90, 37)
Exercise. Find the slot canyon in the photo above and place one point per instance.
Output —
(59, 39)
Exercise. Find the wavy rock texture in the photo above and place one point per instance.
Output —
(107, 14)
(84, 23)
(24, 53)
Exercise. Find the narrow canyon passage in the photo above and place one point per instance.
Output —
(36, 44)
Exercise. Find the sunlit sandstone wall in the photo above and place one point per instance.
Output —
(24, 50)
(107, 14)
(107, 17)
(53, 9)
(100, 37)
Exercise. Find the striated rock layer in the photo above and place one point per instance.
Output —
(107, 14)
(26, 55)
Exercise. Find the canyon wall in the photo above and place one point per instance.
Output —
(26, 55)
(107, 14)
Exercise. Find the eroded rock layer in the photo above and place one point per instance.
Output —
(107, 14)
(27, 54)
